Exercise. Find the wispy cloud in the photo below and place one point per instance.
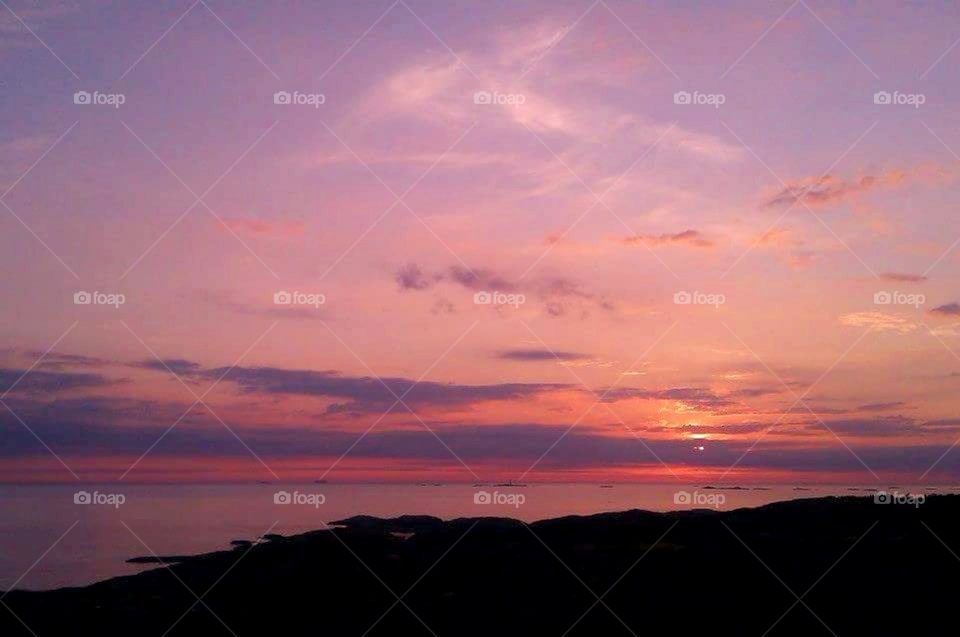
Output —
(264, 227)
(538, 355)
(365, 394)
(43, 381)
(879, 321)
(828, 189)
(558, 295)
(949, 309)
(690, 238)
(903, 277)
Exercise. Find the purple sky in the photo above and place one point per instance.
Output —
(557, 240)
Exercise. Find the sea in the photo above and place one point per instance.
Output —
(54, 536)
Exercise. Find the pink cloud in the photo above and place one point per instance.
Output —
(689, 238)
(264, 228)
(825, 190)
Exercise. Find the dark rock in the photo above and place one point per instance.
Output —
(685, 572)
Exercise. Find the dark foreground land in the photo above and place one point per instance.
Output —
(840, 566)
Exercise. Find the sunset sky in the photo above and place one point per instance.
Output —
(811, 225)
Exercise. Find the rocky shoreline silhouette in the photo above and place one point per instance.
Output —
(820, 566)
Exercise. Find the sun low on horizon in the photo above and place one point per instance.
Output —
(599, 242)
